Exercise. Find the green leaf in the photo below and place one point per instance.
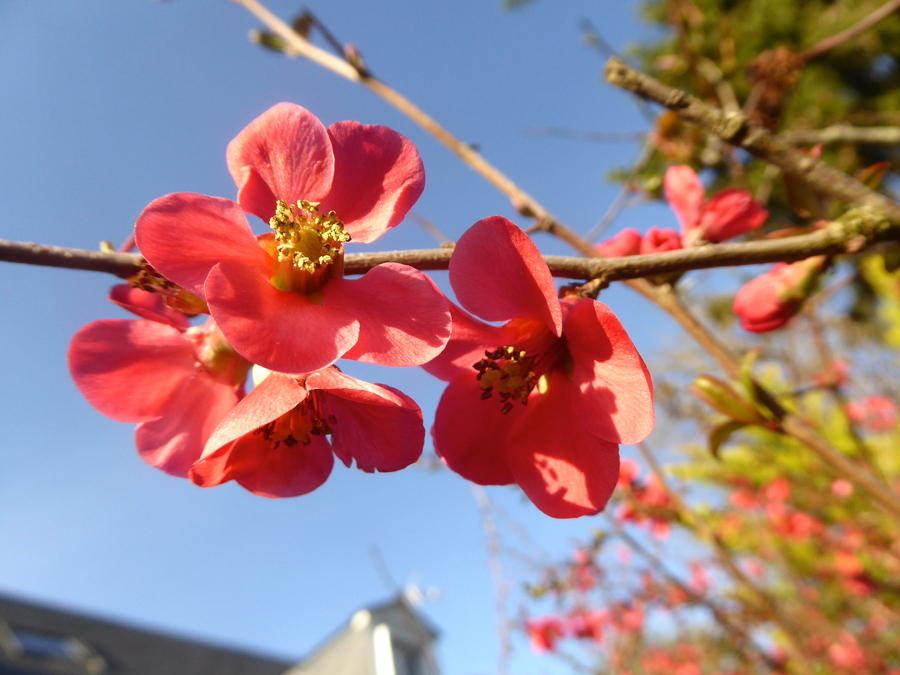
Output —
(721, 433)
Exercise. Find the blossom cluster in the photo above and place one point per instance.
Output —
(728, 214)
(540, 397)
(763, 304)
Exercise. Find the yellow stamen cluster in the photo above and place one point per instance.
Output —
(509, 371)
(305, 237)
(297, 426)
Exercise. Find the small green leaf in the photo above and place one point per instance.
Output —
(725, 399)
(720, 434)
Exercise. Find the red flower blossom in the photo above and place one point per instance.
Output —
(544, 633)
(877, 413)
(274, 442)
(771, 300)
(587, 624)
(281, 299)
(570, 360)
(174, 381)
(660, 240)
(627, 242)
(730, 213)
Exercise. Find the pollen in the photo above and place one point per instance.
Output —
(508, 372)
(299, 425)
(308, 239)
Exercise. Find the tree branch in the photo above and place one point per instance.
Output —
(737, 129)
(865, 24)
(850, 234)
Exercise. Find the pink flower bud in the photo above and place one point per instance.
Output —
(627, 242)
(769, 301)
(660, 240)
(729, 214)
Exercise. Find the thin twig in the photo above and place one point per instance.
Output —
(844, 133)
(592, 136)
(500, 584)
(622, 198)
(718, 613)
(701, 529)
(296, 45)
(865, 24)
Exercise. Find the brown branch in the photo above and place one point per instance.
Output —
(737, 129)
(851, 233)
(119, 264)
(844, 133)
(865, 24)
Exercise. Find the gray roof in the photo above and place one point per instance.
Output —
(390, 638)
(39, 640)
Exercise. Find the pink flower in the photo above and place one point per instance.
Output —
(274, 442)
(876, 413)
(835, 374)
(544, 633)
(280, 298)
(700, 580)
(660, 240)
(769, 301)
(586, 624)
(846, 653)
(842, 488)
(627, 242)
(174, 381)
(585, 386)
(730, 213)
(628, 473)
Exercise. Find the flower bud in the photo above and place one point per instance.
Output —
(730, 213)
(660, 240)
(769, 301)
(627, 242)
(722, 397)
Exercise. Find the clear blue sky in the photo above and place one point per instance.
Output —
(106, 105)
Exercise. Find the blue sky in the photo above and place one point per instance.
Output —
(107, 105)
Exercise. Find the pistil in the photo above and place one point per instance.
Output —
(510, 372)
(306, 420)
(308, 246)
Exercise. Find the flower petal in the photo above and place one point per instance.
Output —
(285, 153)
(285, 471)
(468, 342)
(660, 240)
(730, 213)
(470, 434)
(270, 399)
(184, 235)
(378, 176)
(616, 401)
(130, 369)
(234, 452)
(498, 274)
(279, 330)
(403, 318)
(564, 469)
(685, 195)
(378, 426)
(148, 305)
(176, 440)
(627, 242)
